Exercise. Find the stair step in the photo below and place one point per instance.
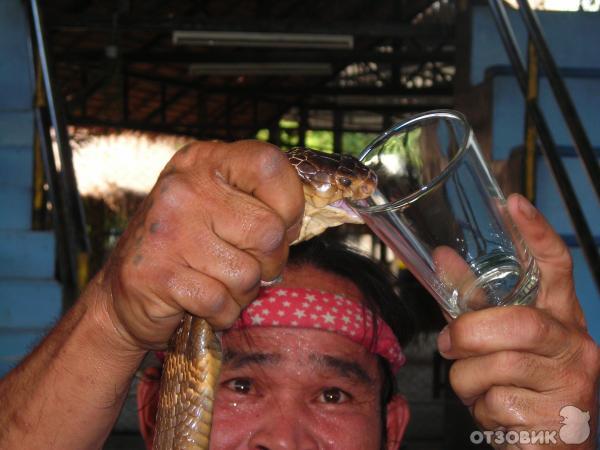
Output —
(15, 207)
(550, 203)
(26, 254)
(29, 303)
(508, 112)
(16, 75)
(16, 344)
(16, 128)
(564, 33)
(6, 366)
(16, 166)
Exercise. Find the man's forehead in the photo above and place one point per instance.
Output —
(300, 348)
(297, 343)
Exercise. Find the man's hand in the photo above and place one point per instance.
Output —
(219, 220)
(517, 367)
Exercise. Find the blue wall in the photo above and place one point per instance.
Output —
(573, 39)
(30, 298)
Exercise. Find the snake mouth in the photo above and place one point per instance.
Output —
(347, 209)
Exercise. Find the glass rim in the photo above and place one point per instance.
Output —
(436, 113)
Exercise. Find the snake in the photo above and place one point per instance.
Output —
(193, 361)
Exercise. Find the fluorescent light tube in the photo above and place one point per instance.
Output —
(252, 39)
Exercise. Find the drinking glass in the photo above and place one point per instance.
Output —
(438, 207)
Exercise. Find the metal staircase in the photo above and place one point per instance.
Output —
(30, 298)
(37, 249)
(564, 183)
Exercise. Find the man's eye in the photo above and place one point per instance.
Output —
(334, 395)
(240, 385)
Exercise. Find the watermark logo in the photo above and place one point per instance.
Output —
(576, 426)
(575, 429)
(500, 437)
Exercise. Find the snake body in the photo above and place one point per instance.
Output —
(191, 368)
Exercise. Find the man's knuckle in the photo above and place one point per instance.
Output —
(494, 398)
(227, 318)
(461, 335)
(216, 301)
(508, 360)
(590, 355)
(270, 159)
(176, 193)
(249, 276)
(272, 232)
(479, 412)
(580, 381)
(175, 285)
(514, 362)
(456, 376)
(532, 323)
(563, 256)
(164, 182)
(498, 398)
(186, 155)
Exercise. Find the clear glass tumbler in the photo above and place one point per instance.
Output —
(441, 211)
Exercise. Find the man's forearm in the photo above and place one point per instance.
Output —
(68, 392)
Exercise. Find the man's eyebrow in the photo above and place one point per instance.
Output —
(344, 367)
(237, 359)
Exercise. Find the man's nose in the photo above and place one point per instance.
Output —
(285, 428)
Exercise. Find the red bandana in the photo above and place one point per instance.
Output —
(312, 308)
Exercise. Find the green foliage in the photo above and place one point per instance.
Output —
(322, 140)
(263, 135)
(288, 133)
(407, 145)
(355, 142)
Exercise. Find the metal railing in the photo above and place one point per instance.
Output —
(68, 216)
(548, 146)
(561, 94)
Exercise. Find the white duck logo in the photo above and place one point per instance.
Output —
(576, 427)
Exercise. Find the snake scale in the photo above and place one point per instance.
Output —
(191, 368)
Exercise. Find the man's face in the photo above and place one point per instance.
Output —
(283, 388)
(296, 389)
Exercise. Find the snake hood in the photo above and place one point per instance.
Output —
(328, 179)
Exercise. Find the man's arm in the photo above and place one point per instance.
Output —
(219, 219)
(68, 392)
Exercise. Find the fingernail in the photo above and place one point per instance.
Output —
(527, 208)
(444, 343)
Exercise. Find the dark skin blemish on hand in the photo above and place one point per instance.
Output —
(170, 169)
(137, 259)
(154, 227)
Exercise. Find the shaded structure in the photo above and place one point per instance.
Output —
(225, 69)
